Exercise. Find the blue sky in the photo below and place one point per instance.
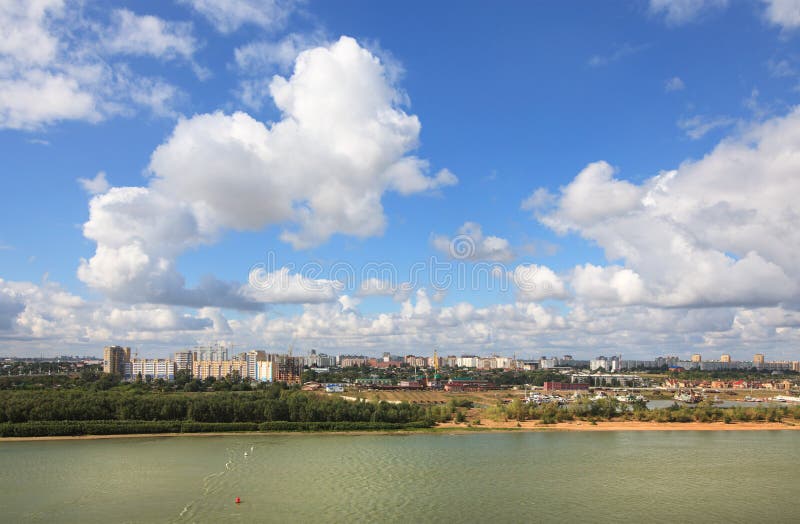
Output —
(657, 138)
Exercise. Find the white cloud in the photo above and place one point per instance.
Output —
(33, 317)
(719, 231)
(324, 167)
(623, 51)
(267, 56)
(535, 283)
(51, 69)
(539, 200)
(592, 196)
(372, 287)
(46, 319)
(282, 286)
(470, 244)
(95, 185)
(610, 285)
(679, 12)
(134, 34)
(674, 84)
(698, 126)
(781, 68)
(229, 15)
(341, 144)
(783, 13)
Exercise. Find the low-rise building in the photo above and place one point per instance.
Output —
(565, 386)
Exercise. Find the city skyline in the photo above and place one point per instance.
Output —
(360, 178)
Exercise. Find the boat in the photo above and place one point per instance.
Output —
(630, 398)
(689, 398)
(785, 398)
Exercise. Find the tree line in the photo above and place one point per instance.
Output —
(275, 403)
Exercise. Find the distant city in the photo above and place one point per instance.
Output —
(261, 366)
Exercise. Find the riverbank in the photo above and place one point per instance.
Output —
(453, 428)
(622, 425)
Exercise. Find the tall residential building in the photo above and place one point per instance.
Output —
(210, 353)
(758, 360)
(279, 368)
(115, 358)
(183, 360)
(150, 367)
(725, 358)
(252, 358)
(697, 357)
(218, 368)
(286, 369)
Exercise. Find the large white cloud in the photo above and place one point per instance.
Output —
(719, 231)
(342, 143)
(46, 319)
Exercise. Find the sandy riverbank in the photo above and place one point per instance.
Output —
(628, 425)
(485, 426)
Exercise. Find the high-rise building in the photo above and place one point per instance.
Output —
(252, 358)
(725, 358)
(150, 367)
(210, 353)
(285, 368)
(218, 368)
(697, 357)
(758, 359)
(115, 358)
(183, 360)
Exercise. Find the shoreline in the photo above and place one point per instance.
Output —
(451, 428)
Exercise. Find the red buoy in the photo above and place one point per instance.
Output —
(238, 500)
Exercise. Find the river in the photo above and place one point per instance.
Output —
(659, 476)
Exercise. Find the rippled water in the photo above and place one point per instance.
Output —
(503, 477)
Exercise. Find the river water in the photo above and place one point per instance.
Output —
(659, 476)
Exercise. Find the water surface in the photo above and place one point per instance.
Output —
(659, 476)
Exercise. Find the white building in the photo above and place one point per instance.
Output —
(150, 367)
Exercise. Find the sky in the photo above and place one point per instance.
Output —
(528, 178)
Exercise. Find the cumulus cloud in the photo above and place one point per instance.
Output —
(282, 286)
(535, 283)
(539, 200)
(592, 196)
(133, 34)
(323, 169)
(611, 285)
(265, 56)
(38, 315)
(470, 243)
(783, 13)
(95, 185)
(674, 84)
(372, 287)
(51, 68)
(51, 321)
(679, 12)
(719, 231)
(229, 15)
